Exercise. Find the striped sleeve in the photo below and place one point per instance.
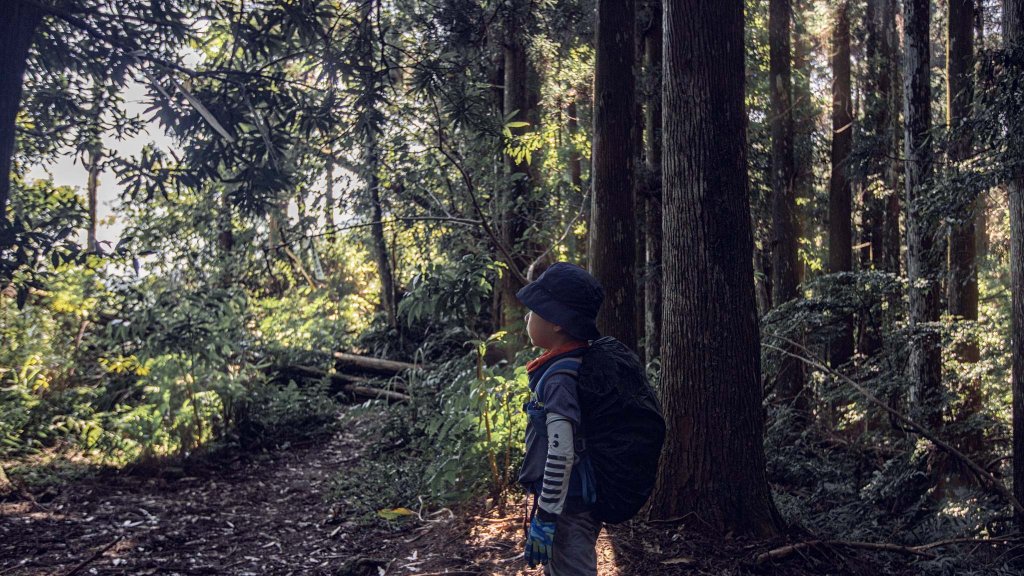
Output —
(558, 465)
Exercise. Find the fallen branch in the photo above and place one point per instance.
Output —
(789, 550)
(375, 365)
(350, 384)
(985, 477)
(93, 558)
(921, 550)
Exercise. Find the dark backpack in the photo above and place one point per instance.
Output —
(622, 427)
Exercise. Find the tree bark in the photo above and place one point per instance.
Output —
(517, 203)
(373, 122)
(840, 223)
(785, 231)
(652, 123)
(925, 365)
(891, 88)
(962, 283)
(18, 24)
(804, 117)
(1013, 36)
(380, 246)
(713, 464)
(612, 237)
(95, 156)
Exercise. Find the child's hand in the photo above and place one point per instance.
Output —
(539, 541)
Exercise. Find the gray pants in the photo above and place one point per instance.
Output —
(574, 550)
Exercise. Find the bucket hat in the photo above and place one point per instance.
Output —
(568, 296)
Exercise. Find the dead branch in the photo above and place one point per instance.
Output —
(788, 550)
(93, 558)
(921, 550)
(987, 479)
(350, 384)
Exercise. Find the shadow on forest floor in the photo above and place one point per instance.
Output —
(277, 513)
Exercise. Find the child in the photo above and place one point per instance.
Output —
(563, 531)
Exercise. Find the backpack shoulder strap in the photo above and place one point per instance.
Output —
(570, 366)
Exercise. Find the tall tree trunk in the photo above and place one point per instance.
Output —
(804, 118)
(962, 283)
(612, 237)
(640, 179)
(892, 90)
(515, 206)
(1013, 36)
(840, 222)
(373, 121)
(710, 347)
(652, 122)
(925, 365)
(18, 24)
(878, 129)
(785, 235)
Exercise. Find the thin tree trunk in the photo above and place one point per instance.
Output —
(710, 347)
(329, 193)
(95, 156)
(962, 283)
(652, 121)
(612, 237)
(1013, 36)
(380, 247)
(804, 119)
(923, 263)
(18, 24)
(840, 223)
(785, 235)
(575, 160)
(890, 57)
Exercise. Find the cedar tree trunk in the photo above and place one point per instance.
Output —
(612, 238)
(785, 231)
(713, 465)
(925, 365)
(962, 283)
(1013, 36)
(840, 224)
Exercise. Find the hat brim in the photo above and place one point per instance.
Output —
(538, 300)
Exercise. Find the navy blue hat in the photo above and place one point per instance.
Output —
(568, 296)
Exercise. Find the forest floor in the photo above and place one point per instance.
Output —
(274, 514)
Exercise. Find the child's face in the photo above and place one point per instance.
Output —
(542, 333)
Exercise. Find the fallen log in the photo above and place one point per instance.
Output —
(344, 360)
(355, 385)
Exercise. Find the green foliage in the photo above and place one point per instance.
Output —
(451, 294)
(462, 435)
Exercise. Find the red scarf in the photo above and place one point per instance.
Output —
(567, 347)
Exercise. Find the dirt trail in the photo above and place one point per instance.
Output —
(258, 517)
(273, 515)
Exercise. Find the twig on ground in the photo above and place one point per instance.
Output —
(788, 550)
(93, 558)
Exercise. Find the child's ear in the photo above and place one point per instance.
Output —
(558, 328)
